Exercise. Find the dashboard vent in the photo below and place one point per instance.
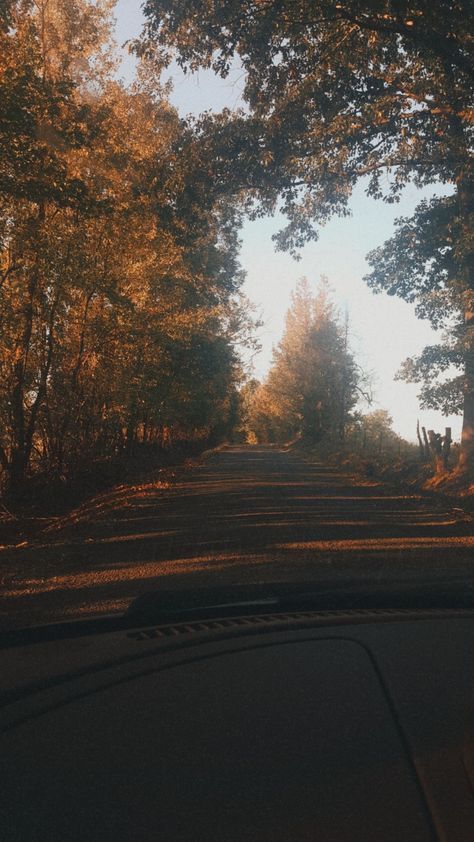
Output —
(295, 619)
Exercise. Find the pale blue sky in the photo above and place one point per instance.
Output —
(384, 330)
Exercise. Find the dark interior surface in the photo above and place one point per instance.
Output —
(330, 734)
(274, 743)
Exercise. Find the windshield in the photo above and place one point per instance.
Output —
(236, 299)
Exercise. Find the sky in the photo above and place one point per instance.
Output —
(384, 330)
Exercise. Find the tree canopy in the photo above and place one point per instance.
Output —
(419, 264)
(336, 92)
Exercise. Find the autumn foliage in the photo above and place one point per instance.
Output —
(119, 282)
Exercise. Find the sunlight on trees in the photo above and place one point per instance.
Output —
(121, 316)
(312, 386)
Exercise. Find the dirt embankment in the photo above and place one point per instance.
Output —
(52, 506)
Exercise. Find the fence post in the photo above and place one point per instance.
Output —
(446, 447)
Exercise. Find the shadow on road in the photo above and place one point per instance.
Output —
(247, 514)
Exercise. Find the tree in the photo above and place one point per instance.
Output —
(263, 421)
(337, 92)
(376, 432)
(312, 383)
(420, 264)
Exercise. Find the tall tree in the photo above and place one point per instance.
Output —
(340, 91)
(313, 378)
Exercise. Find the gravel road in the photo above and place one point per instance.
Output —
(242, 515)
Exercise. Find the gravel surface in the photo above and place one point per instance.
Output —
(242, 515)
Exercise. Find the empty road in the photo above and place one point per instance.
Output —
(243, 515)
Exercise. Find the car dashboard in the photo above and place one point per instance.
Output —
(327, 725)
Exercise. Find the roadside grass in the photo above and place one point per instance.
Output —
(402, 469)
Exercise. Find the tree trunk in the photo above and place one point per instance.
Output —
(466, 455)
(21, 430)
(462, 147)
(466, 458)
(465, 196)
(131, 431)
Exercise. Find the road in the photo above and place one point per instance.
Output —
(243, 515)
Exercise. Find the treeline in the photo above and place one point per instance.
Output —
(120, 310)
(316, 392)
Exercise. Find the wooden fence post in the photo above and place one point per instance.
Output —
(446, 449)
